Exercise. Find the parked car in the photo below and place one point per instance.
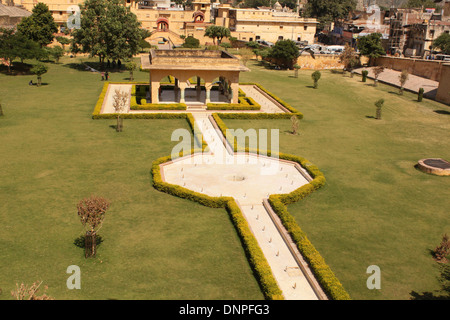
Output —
(443, 57)
(264, 43)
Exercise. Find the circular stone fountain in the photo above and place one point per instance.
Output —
(435, 166)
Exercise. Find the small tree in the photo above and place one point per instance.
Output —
(91, 212)
(364, 75)
(371, 46)
(56, 53)
(217, 32)
(443, 250)
(294, 124)
(39, 69)
(131, 66)
(420, 95)
(403, 77)
(376, 73)
(23, 292)
(285, 53)
(296, 68)
(316, 77)
(349, 59)
(1, 111)
(191, 42)
(63, 41)
(379, 106)
(119, 103)
(246, 54)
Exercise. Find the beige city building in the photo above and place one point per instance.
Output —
(58, 8)
(443, 93)
(269, 24)
(167, 20)
(208, 67)
(10, 15)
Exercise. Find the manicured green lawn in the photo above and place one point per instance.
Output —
(53, 154)
(376, 208)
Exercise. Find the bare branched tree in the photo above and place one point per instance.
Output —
(119, 104)
(91, 212)
(23, 292)
(376, 72)
(443, 249)
(403, 77)
(295, 124)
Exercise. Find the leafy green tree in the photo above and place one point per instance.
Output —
(364, 75)
(217, 32)
(329, 11)
(191, 42)
(16, 45)
(420, 95)
(285, 52)
(63, 41)
(371, 47)
(316, 77)
(131, 65)
(443, 43)
(40, 26)
(421, 4)
(39, 69)
(379, 106)
(108, 30)
(255, 3)
(56, 53)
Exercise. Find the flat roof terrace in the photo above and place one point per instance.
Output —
(191, 60)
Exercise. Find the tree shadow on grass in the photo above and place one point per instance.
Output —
(443, 293)
(80, 241)
(17, 69)
(91, 67)
(442, 112)
(370, 117)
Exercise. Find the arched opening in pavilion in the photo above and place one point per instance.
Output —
(221, 91)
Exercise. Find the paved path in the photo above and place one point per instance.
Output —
(413, 84)
(109, 98)
(249, 179)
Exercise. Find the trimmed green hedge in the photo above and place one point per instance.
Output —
(140, 116)
(254, 253)
(283, 103)
(143, 105)
(279, 202)
(198, 136)
(245, 103)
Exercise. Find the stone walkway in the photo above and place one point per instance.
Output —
(413, 84)
(249, 179)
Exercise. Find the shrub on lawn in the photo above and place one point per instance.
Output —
(316, 77)
(364, 75)
(420, 95)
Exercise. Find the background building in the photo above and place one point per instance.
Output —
(11, 15)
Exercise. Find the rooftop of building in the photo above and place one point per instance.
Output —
(13, 11)
(191, 60)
